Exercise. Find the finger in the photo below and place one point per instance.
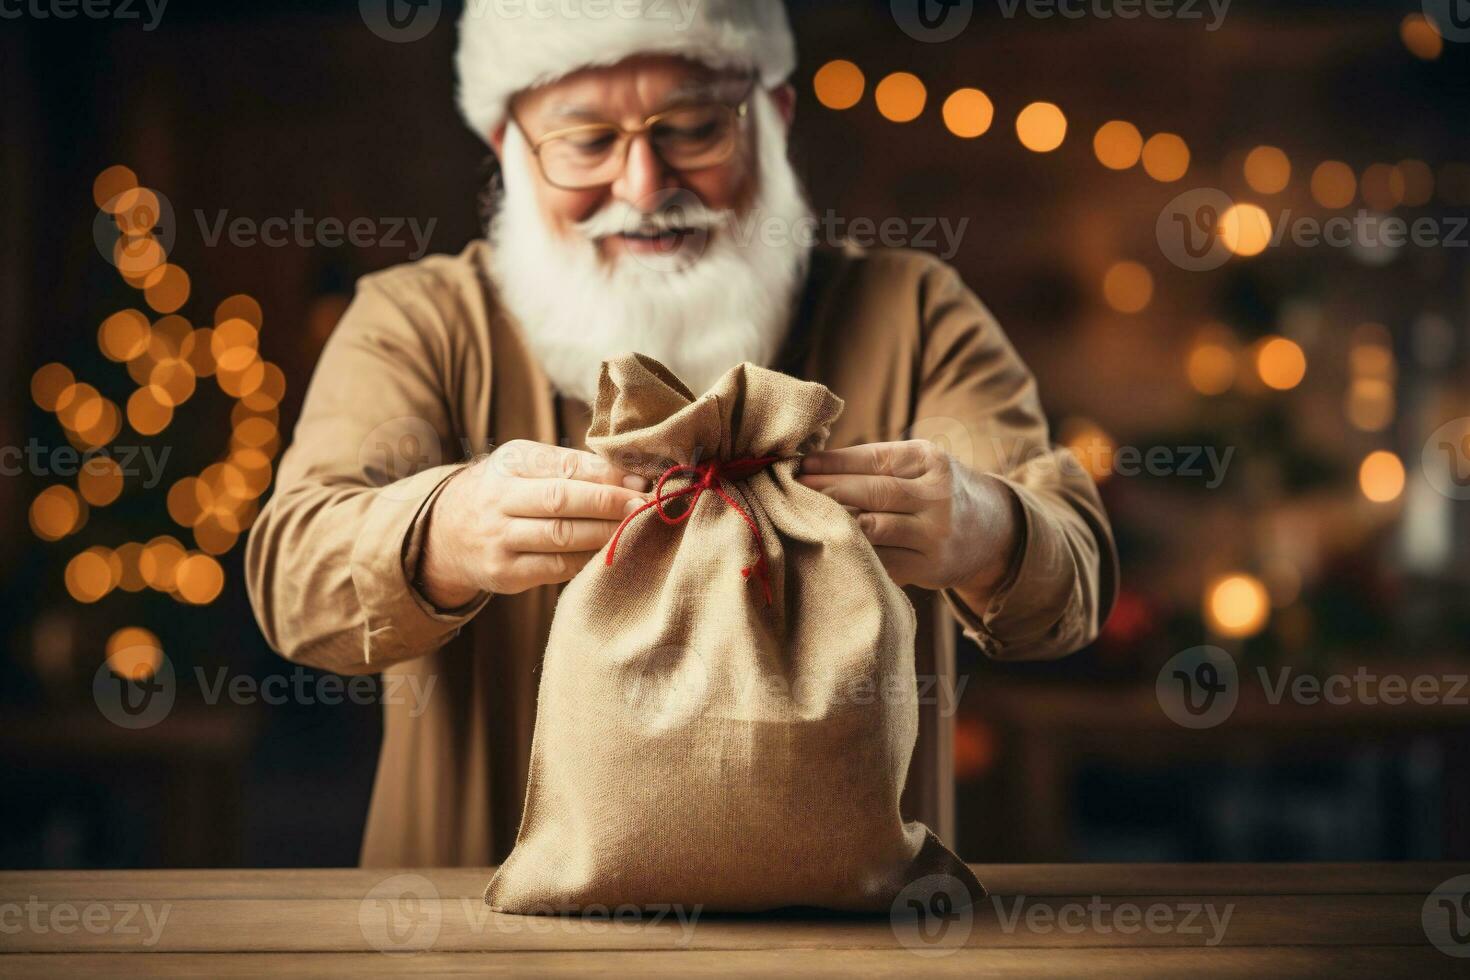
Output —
(522, 457)
(873, 493)
(556, 534)
(549, 569)
(905, 567)
(909, 459)
(554, 497)
(895, 530)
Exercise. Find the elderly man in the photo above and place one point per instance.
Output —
(438, 490)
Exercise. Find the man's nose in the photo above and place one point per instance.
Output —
(645, 174)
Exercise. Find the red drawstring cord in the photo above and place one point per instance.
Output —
(708, 477)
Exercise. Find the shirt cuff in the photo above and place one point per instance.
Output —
(401, 623)
(1025, 612)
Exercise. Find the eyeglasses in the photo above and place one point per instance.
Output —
(687, 138)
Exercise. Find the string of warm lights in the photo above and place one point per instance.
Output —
(1237, 605)
(1119, 145)
(166, 359)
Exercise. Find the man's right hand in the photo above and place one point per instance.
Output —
(528, 514)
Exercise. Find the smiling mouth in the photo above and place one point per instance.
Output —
(654, 239)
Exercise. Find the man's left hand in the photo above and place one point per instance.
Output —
(934, 522)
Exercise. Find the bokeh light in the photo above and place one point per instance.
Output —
(1211, 365)
(1334, 185)
(1267, 170)
(1382, 187)
(1041, 127)
(134, 653)
(124, 335)
(1280, 363)
(1128, 287)
(900, 97)
(55, 513)
(110, 183)
(1166, 157)
(1420, 37)
(91, 575)
(166, 288)
(48, 383)
(968, 113)
(1246, 229)
(159, 562)
(239, 307)
(1237, 605)
(199, 579)
(839, 84)
(1118, 144)
(1381, 476)
(150, 410)
(100, 481)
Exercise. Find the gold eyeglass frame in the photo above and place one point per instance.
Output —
(738, 111)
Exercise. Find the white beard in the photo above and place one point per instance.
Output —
(732, 303)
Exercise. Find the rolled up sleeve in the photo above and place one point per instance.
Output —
(329, 562)
(978, 397)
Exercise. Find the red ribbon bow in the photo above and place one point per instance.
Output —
(707, 477)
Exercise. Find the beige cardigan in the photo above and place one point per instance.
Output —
(426, 369)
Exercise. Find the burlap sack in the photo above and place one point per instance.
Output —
(693, 743)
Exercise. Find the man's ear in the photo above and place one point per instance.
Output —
(783, 97)
(497, 140)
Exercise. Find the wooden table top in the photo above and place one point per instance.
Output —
(1054, 920)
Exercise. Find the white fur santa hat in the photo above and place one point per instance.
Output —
(507, 46)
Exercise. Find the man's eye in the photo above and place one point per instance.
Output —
(691, 133)
(592, 143)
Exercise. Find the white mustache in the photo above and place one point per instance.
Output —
(621, 218)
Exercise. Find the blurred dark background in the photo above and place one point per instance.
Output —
(1330, 543)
